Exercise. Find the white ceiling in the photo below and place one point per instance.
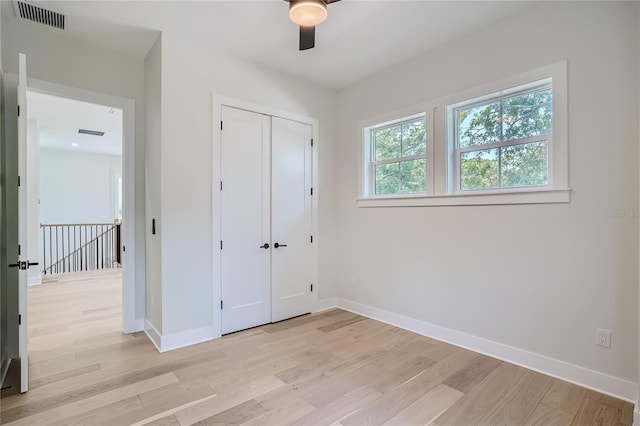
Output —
(359, 38)
(59, 119)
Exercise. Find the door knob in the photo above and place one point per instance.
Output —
(265, 246)
(22, 265)
(276, 245)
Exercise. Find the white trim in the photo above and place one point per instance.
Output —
(130, 323)
(581, 376)
(169, 342)
(218, 101)
(153, 334)
(186, 338)
(326, 304)
(35, 280)
(4, 368)
(139, 324)
(516, 196)
(636, 416)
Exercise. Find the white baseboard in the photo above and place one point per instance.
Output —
(591, 379)
(37, 280)
(172, 341)
(153, 334)
(636, 416)
(326, 304)
(187, 338)
(3, 370)
(138, 325)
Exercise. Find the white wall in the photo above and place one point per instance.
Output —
(153, 261)
(536, 277)
(78, 187)
(33, 196)
(54, 57)
(190, 74)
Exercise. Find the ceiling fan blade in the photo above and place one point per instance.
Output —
(307, 37)
(330, 1)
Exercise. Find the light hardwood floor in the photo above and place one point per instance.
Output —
(332, 367)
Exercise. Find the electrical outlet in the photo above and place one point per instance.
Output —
(603, 337)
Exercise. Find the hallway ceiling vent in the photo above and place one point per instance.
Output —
(90, 132)
(35, 13)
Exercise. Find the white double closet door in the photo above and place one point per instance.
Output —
(266, 219)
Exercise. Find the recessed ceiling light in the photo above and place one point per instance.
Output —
(74, 144)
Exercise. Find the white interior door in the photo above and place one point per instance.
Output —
(291, 227)
(245, 219)
(23, 261)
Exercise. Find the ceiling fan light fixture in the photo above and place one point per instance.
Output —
(307, 13)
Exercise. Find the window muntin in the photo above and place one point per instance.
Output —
(398, 157)
(503, 141)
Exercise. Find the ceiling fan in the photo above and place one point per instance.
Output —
(307, 14)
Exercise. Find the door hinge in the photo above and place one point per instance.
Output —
(312, 239)
(18, 110)
(220, 124)
(124, 248)
(220, 185)
(311, 191)
(18, 180)
(311, 288)
(221, 305)
(220, 244)
(19, 319)
(19, 249)
(311, 141)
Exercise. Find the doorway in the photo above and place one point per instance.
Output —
(15, 318)
(74, 174)
(130, 323)
(125, 175)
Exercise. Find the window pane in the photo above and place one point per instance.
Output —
(479, 125)
(387, 143)
(413, 176)
(414, 140)
(525, 165)
(527, 115)
(479, 169)
(387, 178)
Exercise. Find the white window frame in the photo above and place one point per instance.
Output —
(369, 152)
(442, 180)
(455, 151)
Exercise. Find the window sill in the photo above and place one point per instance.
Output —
(547, 196)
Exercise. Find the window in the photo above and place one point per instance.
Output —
(503, 143)
(398, 157)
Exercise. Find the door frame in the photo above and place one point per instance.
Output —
(129, 322)
(218, 101)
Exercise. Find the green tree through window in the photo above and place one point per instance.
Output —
(399, 157)
(504, 143)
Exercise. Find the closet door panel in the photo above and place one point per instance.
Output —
(245, 219)
(291, 273)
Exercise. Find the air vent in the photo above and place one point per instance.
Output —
(35, 13)
(90, 132)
